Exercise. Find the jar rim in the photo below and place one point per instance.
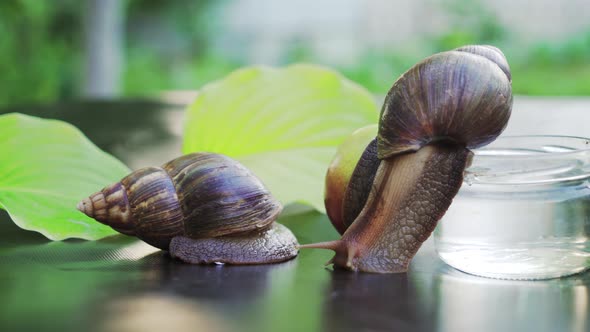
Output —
(585, 146)
(531, 160)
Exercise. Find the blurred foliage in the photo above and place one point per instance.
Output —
(557, 69)
(377, 70)
(149, 74)
(40, 50)
(562, 69)
(544, 69)
(470, 23)
(168, 46)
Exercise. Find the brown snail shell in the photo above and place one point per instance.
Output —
(196, 196)
(462, 96)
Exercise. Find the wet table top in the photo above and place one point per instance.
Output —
(120, 283)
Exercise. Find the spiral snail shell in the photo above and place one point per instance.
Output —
(202, 207)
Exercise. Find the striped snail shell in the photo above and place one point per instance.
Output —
(202, 200)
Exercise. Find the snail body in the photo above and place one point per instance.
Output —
(196, 197)
(407, 176)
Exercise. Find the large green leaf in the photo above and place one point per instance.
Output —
(283, 124)
(46, 167)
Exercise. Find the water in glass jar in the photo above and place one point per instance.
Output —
(523, 211)
(516, 234)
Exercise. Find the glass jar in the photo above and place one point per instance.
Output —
(523, 211)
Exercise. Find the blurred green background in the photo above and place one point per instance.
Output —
(70, 49)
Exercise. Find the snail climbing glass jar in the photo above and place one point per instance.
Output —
(523, 211)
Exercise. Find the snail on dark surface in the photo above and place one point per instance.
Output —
(201, 207)
(407, 176)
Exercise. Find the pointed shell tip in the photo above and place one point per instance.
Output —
(83, 206)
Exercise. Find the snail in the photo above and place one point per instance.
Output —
(407, 176)
(201, 207)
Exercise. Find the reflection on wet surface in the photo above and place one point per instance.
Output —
(504, 305)
(375, 302)
(238, 285)
(73, 285)
(153, 312)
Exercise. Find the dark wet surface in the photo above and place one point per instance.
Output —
(120, 283)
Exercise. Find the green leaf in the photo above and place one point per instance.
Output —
(283, 124)
(46, 167)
